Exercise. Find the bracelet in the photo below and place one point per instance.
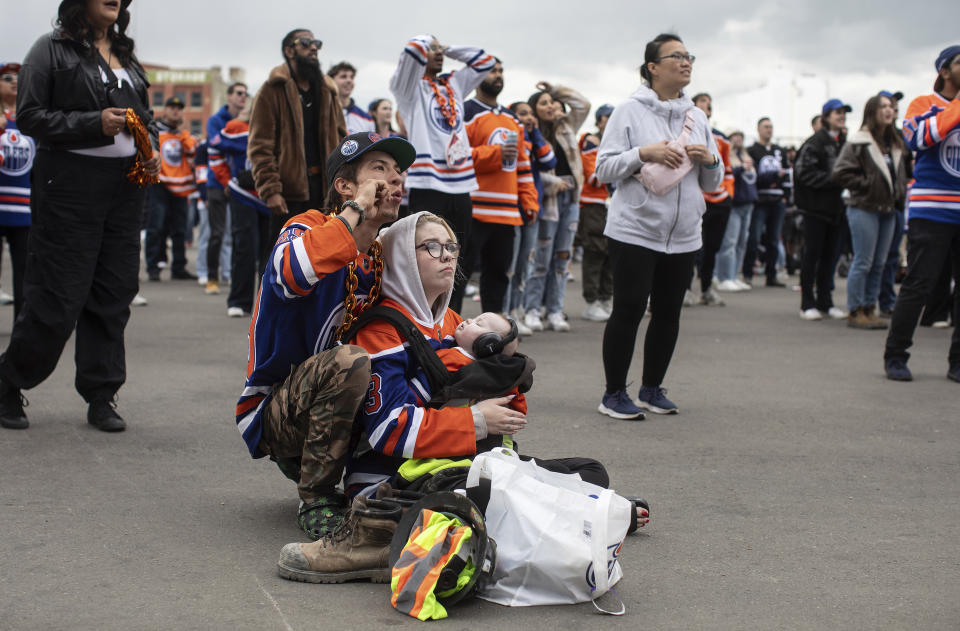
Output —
(357, 207)
(716, 162)
(345, 222)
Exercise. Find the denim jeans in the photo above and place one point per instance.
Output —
(888, 294)
(523, 243)
(734, 244)
(166, 218)
(203, 239)
(547, 284)
(870, 233)
(767, 222)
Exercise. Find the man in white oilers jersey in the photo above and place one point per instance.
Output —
(430, 103)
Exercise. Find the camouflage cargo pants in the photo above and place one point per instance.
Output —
(310, 416)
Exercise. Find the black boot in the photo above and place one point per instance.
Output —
(104, 417)
(12, 403)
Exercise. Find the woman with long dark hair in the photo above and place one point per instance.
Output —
(382, 112)
(83, 98)
(653, 237)
(873, 167)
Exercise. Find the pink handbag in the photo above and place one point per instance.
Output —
(660, 179)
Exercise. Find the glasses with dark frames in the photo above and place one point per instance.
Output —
(306, 42)
(680, 57)
(435, 248)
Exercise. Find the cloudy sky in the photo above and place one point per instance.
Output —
(774, 58)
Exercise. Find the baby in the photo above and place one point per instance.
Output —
(494, 332)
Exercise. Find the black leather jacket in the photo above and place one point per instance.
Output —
(817, 193)
(60, 95)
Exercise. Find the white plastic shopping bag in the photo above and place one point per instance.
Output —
(558, 537)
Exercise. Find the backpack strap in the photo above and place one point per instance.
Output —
(438, 377)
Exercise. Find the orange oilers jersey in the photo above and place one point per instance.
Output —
(725, 192)
(502, 191)
(593, 192)
(177, 150)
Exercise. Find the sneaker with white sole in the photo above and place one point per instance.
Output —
(471, 290)
(837, 313)
(595, 312)
(811, 314)
(744, 285)
(710, 299)
(654, 398)
(689, 299)
(619, 405)
(139, 301)
(557, 322)
(729, 286)
(532, 320)
(607, 305)
(234, 312)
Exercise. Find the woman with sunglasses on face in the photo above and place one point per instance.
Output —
(653, 239)
(83, 98)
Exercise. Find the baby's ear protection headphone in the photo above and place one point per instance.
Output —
(492, 343)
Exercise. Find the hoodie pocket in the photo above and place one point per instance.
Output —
(646, 212)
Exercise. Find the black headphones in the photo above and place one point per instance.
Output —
(492, 343)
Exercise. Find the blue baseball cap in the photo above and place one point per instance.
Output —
(835, 104)
(604, 110)
(891, 95)
(945, 56)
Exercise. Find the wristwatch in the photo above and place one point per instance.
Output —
(354, 205)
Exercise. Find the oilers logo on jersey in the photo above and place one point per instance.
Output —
(18, 153)
(950, 153)
(439, 119)
(172, 151)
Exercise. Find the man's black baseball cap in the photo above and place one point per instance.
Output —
(174, 101)
(355, 145)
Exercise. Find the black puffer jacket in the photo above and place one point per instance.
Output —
(817, 193)
(863, 170)
(61, 94)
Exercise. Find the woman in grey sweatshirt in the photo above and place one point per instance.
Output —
(653, 239)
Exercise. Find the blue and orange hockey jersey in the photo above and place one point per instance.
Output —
(395, 419)
(177, 151)
(357, 119)
(932, 129)
(230, 159)
(593, 192)
(725, 192)
(16, 160)
(298, 308)
(502, 192)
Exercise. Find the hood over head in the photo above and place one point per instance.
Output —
(401, 275)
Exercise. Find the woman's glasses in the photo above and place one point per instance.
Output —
(435, 248)
(680, 57)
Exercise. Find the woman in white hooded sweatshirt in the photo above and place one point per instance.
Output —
(653, 239)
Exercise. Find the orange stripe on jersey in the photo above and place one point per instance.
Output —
(288, 273)
(396, 433)
(249, 404)
(430, 165)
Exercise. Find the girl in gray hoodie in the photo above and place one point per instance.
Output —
(653, 239)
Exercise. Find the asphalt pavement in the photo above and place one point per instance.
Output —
(796, 489)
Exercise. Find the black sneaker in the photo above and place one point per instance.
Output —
(897, 370)
(775, 283)
(103, 415)
(153, 275)
(182, 275)
(953, 374)
(12, 403)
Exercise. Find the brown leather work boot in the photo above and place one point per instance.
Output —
(359, 549)
(858, 319)
(873, 319)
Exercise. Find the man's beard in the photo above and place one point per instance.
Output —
(492, 89)
(308, 69)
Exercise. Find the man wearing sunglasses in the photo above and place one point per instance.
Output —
(295, 122)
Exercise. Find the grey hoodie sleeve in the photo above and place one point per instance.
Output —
(711, 179)
(618, 158)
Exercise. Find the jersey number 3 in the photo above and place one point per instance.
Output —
(374, 400)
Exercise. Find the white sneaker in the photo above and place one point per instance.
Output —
(532, 320)
(729, 285)
(745, 286)
(689, 299)
(811, 314)
(234, 312)
(202, 280)
(941, 324)
(838, 314)
(139, 301)
(595, 312)
(470, 290)
(607, 305)
(5, 298)
(522, 328)
(557, 322)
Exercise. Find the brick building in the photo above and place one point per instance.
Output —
(203, 91)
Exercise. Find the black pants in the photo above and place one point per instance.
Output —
(929, 244)
(250, 233)
(714, 225)
(491, 250)
(82, 265)
(820, 241)
(766, 223)
(596, 270)
(167, 217)
(17, 237)
(640, 274)
(940, 301)
(217, 217)
(457, 210)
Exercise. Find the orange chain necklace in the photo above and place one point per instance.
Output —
(448, 104)
(351, 307)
